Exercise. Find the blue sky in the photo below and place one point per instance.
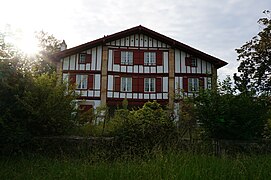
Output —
(215, 27)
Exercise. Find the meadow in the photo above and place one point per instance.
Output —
(169, 165)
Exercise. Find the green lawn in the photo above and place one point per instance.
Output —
(169, 166)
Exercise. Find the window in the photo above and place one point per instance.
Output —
(149, 58)
(191, 61)
(193, 84)
(82, 81)
(82, 58)
(126, 84)
(149, 85)
(126, 57)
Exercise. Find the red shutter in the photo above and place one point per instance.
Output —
(185, 84)
(117, 83)
(159, 58)
(90, 81)
(135, 84)
(117, 57)
(201, 83)
(72, 78)
(88, 58)
(158, 84)
(141, 57)
(187, 61)
(136, 58)
(141, 84)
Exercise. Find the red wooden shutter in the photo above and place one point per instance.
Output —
(117, 83)
(201, 83)
(88, 58)
(117, 57)
(135, 84)
(158, 84)
(90, 81)
(141, 84)
(136, 58)
(187, 61)
(185, 84)
(141, 57)
(72, 78)
(159, 58)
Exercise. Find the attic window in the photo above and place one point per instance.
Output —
(191, 61)
(82, 58)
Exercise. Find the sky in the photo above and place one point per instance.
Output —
(216, 27)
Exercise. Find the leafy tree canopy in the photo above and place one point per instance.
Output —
(255, 60)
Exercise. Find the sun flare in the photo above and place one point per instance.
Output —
(27, 43)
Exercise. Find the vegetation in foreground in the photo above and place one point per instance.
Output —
(161, 166)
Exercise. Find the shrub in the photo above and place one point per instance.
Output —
(230, 116)
(145, 128)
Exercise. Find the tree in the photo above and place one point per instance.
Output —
(230, 116)
(49, 45)
(255, 60)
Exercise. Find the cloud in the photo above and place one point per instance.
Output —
(215, 27)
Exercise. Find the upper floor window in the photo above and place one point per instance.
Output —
(149, 58)
(193, 84)
(191, 61)
(81, 81)
(82, 58)
(127, 57)
(149, 84)
(126, 84)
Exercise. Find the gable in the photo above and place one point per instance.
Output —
(138, 40)
(140, 36)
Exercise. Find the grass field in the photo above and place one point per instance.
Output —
(167, 166)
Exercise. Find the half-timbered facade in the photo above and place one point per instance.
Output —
(137, 64)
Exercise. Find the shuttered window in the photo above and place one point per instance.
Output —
(126, 84)
(193, 84)
(81, 81)
(82, 58)
(191, 61)
(126, 57)
(149, 84)
(149, 58)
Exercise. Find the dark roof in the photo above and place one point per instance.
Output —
(143, 30)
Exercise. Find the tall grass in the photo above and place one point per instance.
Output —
(161, 166)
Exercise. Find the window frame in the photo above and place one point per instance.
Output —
(193, 85)
(80, 60)
(148, 88)
(126, 57)
(81, 78)
(191, 61)
(125, 80)
(150, 60)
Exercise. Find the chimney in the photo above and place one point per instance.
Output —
(63, 46)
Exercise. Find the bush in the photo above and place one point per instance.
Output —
(229, 116)
(145, 128)
(49, 106)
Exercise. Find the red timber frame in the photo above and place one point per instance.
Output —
(137, 78)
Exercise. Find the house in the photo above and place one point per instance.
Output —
(138, 64)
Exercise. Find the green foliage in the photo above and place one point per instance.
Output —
(255, 60)
(229, 116)
(147, 127)
(49, 45)
(49, 106)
